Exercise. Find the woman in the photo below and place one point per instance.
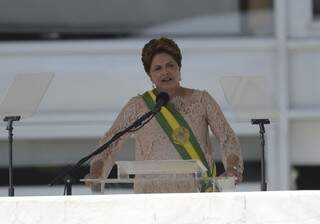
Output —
(196, 110)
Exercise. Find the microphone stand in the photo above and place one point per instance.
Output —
(261, 123)
(67, 175)
(10, 120)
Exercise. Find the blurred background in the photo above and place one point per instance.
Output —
(93, 48)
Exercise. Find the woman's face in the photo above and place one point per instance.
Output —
(165, 72)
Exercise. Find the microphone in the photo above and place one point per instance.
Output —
(161, 100)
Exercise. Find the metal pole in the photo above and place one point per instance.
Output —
(261, 123)
(10, 121)
(263, 166)
(11, 189)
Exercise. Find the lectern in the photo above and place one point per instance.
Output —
(194, 169)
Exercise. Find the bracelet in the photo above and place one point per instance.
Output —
(237, 168)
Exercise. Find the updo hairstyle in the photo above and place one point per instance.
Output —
(156, 46)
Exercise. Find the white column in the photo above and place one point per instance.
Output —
(283, 161)
(272, 157)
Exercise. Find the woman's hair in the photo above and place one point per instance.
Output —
(156, 46)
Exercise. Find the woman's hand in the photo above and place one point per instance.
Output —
(90, 177)
(233, 168)
(233, 172)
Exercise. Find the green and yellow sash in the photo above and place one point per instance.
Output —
(179, 132)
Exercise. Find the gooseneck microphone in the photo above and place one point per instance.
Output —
(161, 100)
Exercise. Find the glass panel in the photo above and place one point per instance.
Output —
(125, 18)
(258, 17)
(163, 184)
(316, 9)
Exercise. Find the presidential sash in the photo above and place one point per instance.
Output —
(179, 132)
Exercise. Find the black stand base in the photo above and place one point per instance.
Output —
(261, 123)
(10, 120)
(68, 181)
(11, 192)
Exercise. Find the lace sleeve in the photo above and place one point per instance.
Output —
(101, 164)
(229, 143)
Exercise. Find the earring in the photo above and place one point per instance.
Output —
(153, 86)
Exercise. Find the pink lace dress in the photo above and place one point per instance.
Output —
(200, 110)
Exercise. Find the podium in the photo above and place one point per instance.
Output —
(192, 171)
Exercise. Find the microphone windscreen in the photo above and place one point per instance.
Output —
(163, 97)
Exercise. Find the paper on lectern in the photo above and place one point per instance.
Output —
(250, 97)
(24, 95)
